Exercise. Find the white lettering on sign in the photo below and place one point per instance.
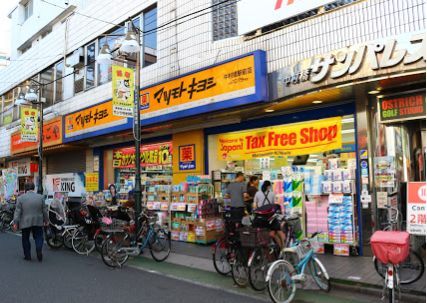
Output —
(271, 11)
(416, 208)
(347, 62)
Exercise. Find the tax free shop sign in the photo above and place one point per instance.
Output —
(284, 140)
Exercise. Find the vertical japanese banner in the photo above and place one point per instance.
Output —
(92, 182)
(29, 125)
(123, 91)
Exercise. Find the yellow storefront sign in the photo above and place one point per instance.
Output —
(97, 117)
(284, 140)
(92, 182)
(223, 82)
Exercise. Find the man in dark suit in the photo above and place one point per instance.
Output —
(30, 216)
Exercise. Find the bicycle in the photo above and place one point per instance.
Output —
(223, 249)
(282, 276)
(121, 244)
(391, 248)
(263, 256)
(6, 216)
(58, 233)
(412, 268)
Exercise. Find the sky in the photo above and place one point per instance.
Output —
(5, 7)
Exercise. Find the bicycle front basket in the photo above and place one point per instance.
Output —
(254, 237)
(390, 246)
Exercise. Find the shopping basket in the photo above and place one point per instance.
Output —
(390, 246)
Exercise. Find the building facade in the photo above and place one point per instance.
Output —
(305, 92)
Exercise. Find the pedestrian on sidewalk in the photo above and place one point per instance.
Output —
(237, 193)
(30, 216)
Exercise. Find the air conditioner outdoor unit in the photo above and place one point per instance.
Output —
(76, 57)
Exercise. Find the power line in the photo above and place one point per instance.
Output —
(146, 33)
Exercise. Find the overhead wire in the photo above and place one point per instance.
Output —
(160, 28)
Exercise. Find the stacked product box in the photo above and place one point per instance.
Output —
(317, 216)
(340, 221)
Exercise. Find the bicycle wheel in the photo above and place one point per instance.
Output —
(68, 236)
(258, 265)
(220, 257)
(111, 252)
(281, 286)
(239, 269)
(409, 271)
(53, 238)
(319, 274)
(3, 224)
(99, 239)
(160, 245)
(81, 242)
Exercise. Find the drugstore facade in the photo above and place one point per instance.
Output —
(309, 128)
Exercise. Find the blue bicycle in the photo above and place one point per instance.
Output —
(121, 244)
(285, 273)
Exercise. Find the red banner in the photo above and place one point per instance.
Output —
(152, 155)
(52, 135)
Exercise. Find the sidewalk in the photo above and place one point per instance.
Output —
(351, 271)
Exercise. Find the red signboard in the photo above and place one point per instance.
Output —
(52, 135)
(416, 208)
(153, 155)
(403, 107)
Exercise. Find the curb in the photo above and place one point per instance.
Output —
(376, 290)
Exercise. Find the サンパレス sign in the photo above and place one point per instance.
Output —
(284, 140)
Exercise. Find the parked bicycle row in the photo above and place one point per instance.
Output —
(108, 230)
(255, 255)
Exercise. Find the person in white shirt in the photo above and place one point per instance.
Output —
(264, 197)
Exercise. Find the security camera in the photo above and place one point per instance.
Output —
(66, 2)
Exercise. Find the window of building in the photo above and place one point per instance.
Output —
(150, 38)
(8, 108)
(59, 73)
(90, 65)
(47, 79)
(224, 19)
(28, 10)
(78, 79)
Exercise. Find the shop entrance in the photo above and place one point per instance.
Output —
(312, 165)
(400, 159)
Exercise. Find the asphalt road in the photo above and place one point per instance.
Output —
(66, 277)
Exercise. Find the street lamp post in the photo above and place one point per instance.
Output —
(132, 44)
(31, 97)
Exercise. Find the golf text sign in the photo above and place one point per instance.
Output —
(403, 107)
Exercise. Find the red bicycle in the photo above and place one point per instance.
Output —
(391, 248)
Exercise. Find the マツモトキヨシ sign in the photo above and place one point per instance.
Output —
(283, 140)
(416, 208)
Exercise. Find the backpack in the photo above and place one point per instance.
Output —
(264, 213)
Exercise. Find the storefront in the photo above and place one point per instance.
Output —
(383, 78)
(310, 158)
(24, 154)
(399, 157)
